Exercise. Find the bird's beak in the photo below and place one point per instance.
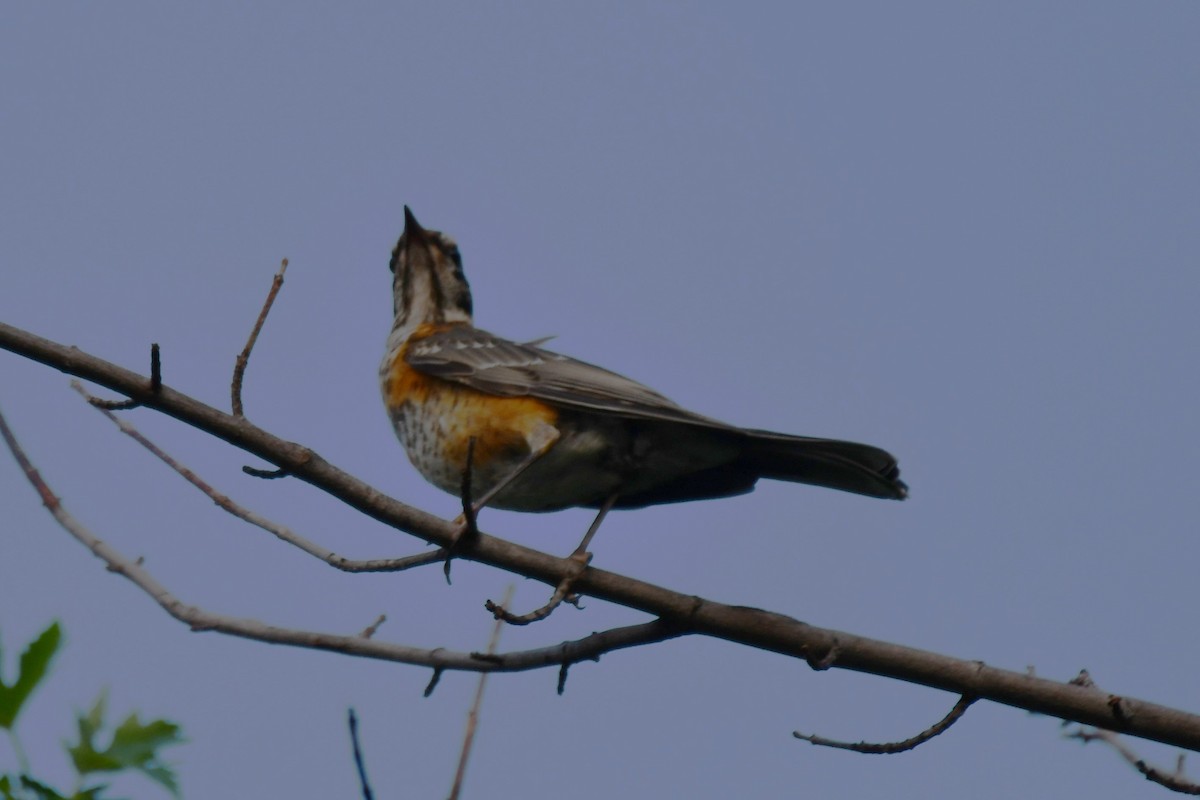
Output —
(413, 232)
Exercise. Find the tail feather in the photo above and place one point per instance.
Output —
(848, 466)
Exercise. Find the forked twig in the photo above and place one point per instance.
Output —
(281, 532)
(155, 386)
(588, 648)
(239, 367)
(1175, 781)
(888, 748)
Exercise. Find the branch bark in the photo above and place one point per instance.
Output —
(821, 648)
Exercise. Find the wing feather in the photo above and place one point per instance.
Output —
(488, 363)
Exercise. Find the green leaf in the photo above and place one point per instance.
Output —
(134, 746)
(40, 790)
(6, 789)
(33, 665)
(84, 755)
(90, 793)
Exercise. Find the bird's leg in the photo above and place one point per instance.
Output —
(562, 593)
(540, 442)
(581, 552)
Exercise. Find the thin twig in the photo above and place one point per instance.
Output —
(281, 532)
(888, 748)
(1175, 781)
(239, 367)
(155, 386)
(433, 681)
(562, 678)
(266, 474)
(588, 648)
(373, 628)
(358, 759)
(473, 715)
(155, 369)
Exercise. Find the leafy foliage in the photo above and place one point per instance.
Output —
(133, 745)
(33, 665)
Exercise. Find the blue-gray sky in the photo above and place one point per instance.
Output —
(969, 233)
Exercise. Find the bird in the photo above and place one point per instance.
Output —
(537, 431)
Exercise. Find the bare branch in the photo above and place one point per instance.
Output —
(239, 367)
(373, 628)
(588, 648)
(1175, 781)
(888, 748)
(266, 474)
(677, 613)
(281, 532)
(155, 385)
(433, 681)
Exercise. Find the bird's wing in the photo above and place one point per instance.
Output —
(490, 364)
(497, 366)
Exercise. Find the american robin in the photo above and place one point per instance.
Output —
(539, 431)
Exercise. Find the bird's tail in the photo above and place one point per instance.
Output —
(848, 466)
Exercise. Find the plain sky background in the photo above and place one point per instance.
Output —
(966, 232)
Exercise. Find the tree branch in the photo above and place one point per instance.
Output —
(890, 748)
(677, 613)
(282, 532)
(198, 619)
(1175, 781)
(239, 366)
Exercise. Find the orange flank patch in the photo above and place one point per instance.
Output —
(448, 414)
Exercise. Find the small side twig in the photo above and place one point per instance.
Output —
(266, 474)
(434, 679)
(473, 714)
(373, 628)
(562, 678)
(888, 748)
(281, 532)
(155, 369)
(239, 367)
(155, 386)
(199, 619)
(358, 758)
(1175, 781)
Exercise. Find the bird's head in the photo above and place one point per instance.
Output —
(428, 283)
